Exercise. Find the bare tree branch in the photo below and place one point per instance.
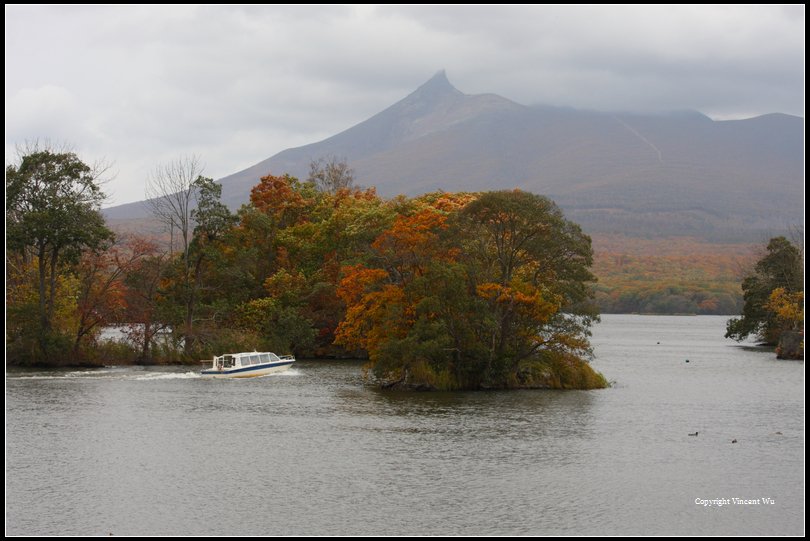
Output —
(331, 174)
(170, 196)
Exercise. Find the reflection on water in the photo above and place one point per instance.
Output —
(148, 451)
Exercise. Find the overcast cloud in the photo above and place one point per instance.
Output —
(139, 86)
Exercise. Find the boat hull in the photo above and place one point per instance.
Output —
(248, 371)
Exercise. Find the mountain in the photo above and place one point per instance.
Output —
(678, 173)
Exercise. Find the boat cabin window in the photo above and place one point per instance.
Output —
(247, 360)
(226, 361)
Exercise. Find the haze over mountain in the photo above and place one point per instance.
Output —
(678, 173)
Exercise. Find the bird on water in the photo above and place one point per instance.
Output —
(695, 434)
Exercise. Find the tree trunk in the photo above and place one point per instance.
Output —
(79, 334)
(147, 340)
(43, 312)
(191, 305)
(52, 293)
(189, 329)
(791, 346)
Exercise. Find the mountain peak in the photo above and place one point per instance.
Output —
(437, 86)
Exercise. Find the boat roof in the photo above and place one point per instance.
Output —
(247, 353)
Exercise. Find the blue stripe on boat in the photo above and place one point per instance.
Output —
(246, 368)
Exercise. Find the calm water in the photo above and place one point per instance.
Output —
(315, 451)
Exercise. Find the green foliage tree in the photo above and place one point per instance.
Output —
(212, 221)
(212, 218)
(276, 327)
(52, 217)
(781, 267)
(173, 191)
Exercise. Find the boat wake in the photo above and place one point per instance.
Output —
(107, 373)
(287, 373)
(123, 373)
(172, 375)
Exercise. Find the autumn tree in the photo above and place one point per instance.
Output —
(781, 267)
(25, 341)
(284, 198)
(52, 218)
(101, 293)
(145, 311)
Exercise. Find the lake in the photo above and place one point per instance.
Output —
(316, 451)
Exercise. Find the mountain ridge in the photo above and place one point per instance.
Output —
(629, 173)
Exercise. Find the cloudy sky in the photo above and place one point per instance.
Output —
(140, 86)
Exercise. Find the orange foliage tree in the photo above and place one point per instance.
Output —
(101, 295)
(281, 198)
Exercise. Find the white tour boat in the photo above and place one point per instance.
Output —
(247, 365)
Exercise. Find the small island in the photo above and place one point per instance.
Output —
(474, 291)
